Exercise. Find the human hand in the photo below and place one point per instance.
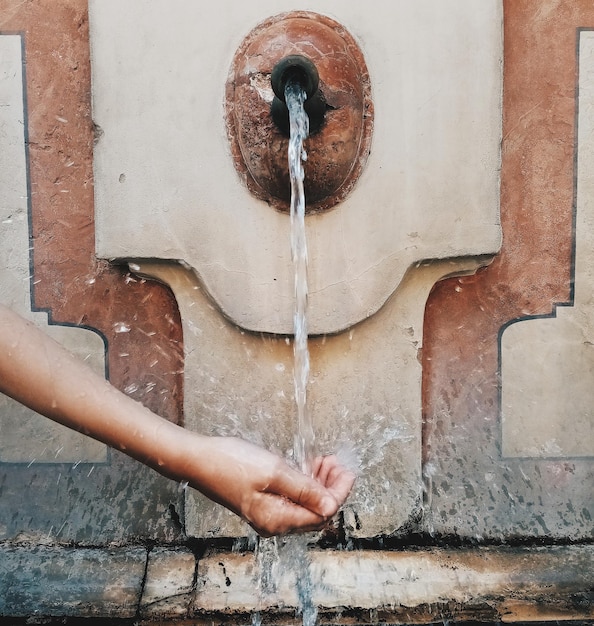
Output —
(265, 491)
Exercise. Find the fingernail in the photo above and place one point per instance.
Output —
(328, 506)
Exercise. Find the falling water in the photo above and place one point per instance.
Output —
(299, 130)
(289, 554)
(281, 561)
(277, 557)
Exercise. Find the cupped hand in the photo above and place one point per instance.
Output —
(294, 502)
(266, 492)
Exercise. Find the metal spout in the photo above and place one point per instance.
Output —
(299, 69)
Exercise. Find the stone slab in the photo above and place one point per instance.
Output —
(364, 396)
(367, 256)
(493, 584)
(59, 581)
(55, 484)
(486, 478)
(26, 436)
(547, 363)
(169, 583)
(511, 583)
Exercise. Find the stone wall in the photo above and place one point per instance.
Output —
(466, 394)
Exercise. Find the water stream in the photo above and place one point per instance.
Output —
(299, 130)
(277, 556)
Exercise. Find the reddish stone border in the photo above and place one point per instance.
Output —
(69, 281)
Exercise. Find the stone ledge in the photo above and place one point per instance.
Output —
(63, 581)
(499, 583)
(502, 583)
(169, 583)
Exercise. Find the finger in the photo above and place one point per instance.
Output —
(340, 481)
(304, 491)
(323, 466)
(336, 478)
(316, 465)
(274, 515)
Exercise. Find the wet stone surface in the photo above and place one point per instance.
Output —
(49, 581)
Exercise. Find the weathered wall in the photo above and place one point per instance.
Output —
(77, 496)
(372, 258)
(497, 470)
(495, 352)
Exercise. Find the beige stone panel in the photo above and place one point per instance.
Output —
(547, 365)
(548, 387)
(166, 187)
(364, 394)
(25, 436)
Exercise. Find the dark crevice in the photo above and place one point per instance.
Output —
(143, 581)
(423, 541)
(176, 518)
(336, 538)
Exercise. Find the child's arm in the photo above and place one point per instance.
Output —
(255, 484)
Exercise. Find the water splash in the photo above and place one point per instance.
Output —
(296, 553)
(299, 130)
(267, 560)
(281, 561)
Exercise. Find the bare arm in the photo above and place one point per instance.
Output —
(253, 483)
